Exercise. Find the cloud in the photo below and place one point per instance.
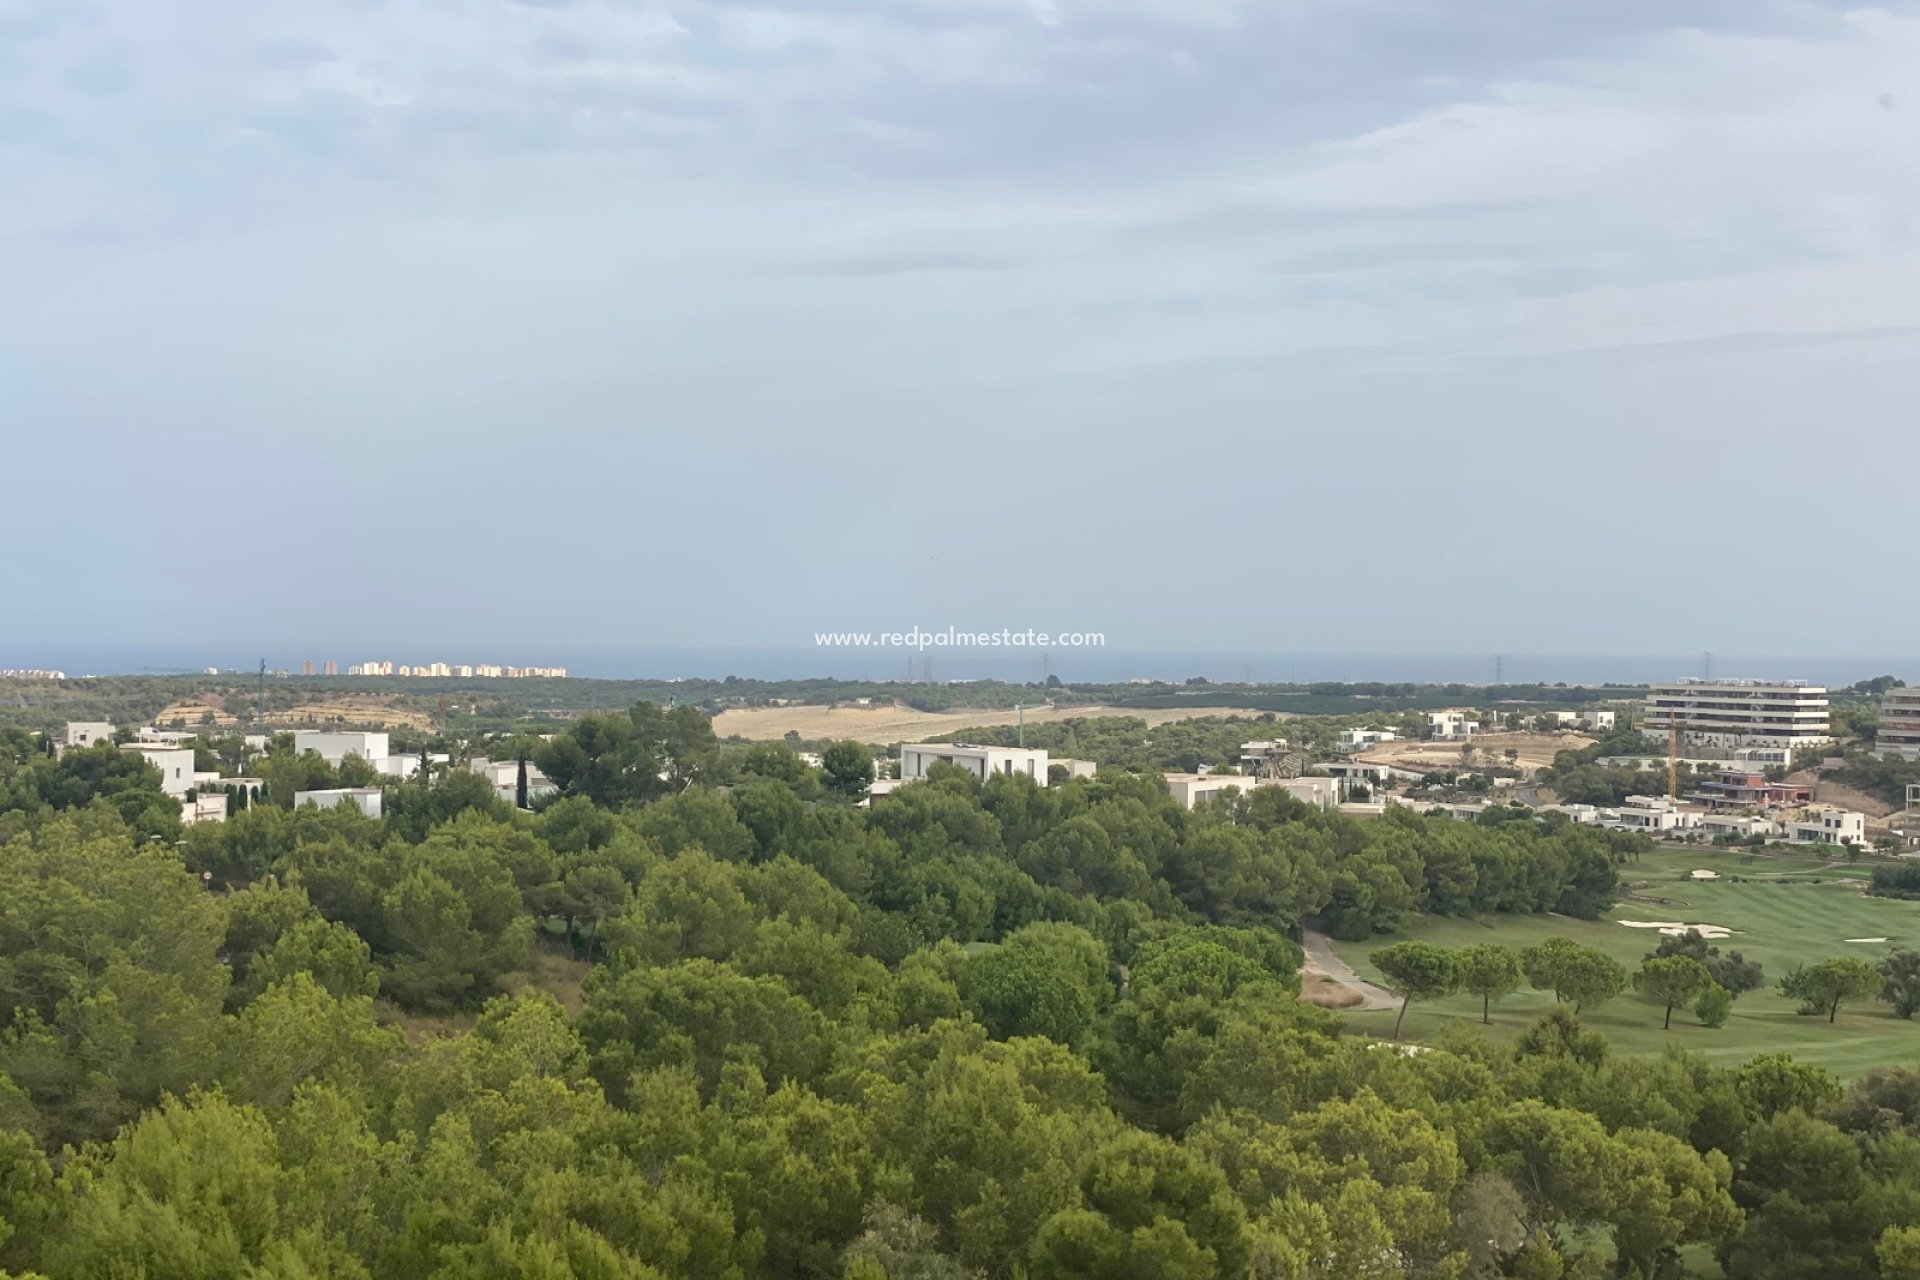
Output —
(511, 242)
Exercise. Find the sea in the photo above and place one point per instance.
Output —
(1090, 666)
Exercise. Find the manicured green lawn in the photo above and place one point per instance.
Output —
(1784, 911)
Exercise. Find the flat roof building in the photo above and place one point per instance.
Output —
(1451, 725)
(335, 747)
(1899, 724)
(916, 758)
(1255, 756)
(1189, 789)
(174, 763)
(1725, 714)
(504, 775)
(365, 799)
(1354, 739)
(1744, 789)
(86, 733)
(1829, 824)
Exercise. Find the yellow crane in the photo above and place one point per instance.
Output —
(1673, 759)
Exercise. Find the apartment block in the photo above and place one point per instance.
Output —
(1900, 724)
(1727, 714)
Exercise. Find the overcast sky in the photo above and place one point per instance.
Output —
(1389, 325)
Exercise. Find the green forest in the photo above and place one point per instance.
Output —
(703, 1016)
(468, 706)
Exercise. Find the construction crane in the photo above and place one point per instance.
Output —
(1673, 760)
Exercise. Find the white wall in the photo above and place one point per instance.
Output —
(365, 799)
(174, 763)
(335, 747)
(87, 733)
(917, 758)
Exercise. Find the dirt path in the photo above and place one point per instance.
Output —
(1321, 959)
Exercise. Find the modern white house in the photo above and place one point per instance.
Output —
(1075, 768)
(1588, 719)
(917, 758)
(504, 775)
(1189, 789)
(407, 764)
(335, 747)
(174, 763)
(1256, 755)
(86, 733)
(1735, 826)
(1829, 824)
(206, 806)
(1899, 724)
(1351, 771)
(1323, 791)
(1738, 713)
(1360, 739)
(1656, 814)
(1446, 726)
(365, 799)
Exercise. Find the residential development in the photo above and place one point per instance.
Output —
(1720, 715)
(1900, 724)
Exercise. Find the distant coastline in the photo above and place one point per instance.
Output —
(1111, 665)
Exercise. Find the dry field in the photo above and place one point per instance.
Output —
(1537, 750)
(355, 710)
(904, 724)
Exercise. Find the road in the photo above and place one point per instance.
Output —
(1320, 955)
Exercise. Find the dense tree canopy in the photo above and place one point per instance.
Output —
(700, 1017)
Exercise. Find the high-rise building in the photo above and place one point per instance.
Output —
(1723, 714)
(306, 666)
(1900, 724)
(330, 668)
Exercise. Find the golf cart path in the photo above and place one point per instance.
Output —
(1320, 955)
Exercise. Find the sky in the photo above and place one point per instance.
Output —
(1389, 326)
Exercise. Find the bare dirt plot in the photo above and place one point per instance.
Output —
(904, 724)
(1537, 750)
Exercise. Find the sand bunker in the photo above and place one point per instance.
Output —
(1676, 927)
(1706, 875)
(1866, 939)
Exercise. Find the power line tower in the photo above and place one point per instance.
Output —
(261, 710)
(1499, 668)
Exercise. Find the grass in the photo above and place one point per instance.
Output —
(1784, 909)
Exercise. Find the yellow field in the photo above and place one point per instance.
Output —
(904, 724)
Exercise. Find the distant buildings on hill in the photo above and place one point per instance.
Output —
(442, 670)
